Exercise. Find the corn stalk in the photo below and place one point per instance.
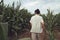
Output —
(50, 20)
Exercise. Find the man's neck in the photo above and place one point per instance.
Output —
(37, 14)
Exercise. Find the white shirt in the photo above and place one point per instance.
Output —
(36, 21)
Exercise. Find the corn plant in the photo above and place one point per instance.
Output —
(49, 21)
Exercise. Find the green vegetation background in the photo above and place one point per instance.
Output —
(15, 20)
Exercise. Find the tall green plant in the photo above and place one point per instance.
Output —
(49, 22)
(3, 26)
(3, 29)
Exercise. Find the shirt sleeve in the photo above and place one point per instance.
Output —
(42, 21)
(31, 20)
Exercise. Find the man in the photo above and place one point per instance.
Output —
(37, 24)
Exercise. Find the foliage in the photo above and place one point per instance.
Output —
(18, 19)
(51, 21)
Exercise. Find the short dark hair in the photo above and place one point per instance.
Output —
(37, 11)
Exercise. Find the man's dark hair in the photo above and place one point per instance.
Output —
(37, 11)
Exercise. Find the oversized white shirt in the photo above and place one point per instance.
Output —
(36, 21)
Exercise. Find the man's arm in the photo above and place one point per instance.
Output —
(43, 26)
(30, 25)
(42, 23)
(30, 22)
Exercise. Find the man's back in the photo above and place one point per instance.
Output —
(36, 24)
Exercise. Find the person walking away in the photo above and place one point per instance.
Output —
(37, 25)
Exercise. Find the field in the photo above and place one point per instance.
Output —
(27, 36)
(15, 25)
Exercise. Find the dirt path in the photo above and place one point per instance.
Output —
(25, 39)
(27, 35)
